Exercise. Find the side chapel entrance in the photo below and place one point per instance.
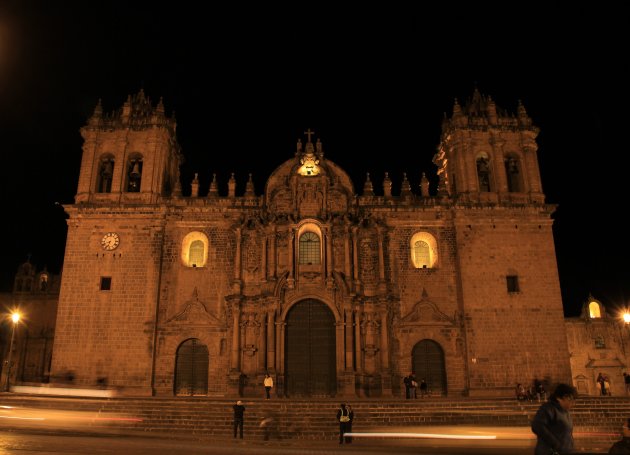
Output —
(428, 363)
(310, 361)
(191, 368)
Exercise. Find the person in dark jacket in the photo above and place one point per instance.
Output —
(553, 424)
(343, 416)
(623, 446)
(239, 410)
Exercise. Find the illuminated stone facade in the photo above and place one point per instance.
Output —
(332, 293)
(598, 342)
(35, 297)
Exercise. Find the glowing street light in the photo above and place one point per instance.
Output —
(626, 317)
(15, 317)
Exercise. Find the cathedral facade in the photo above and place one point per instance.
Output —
(332, 293)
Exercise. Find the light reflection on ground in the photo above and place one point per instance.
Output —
(53, 418)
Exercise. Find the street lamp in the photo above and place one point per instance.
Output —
(15, 317)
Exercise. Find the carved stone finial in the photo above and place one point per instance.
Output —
(387, 185)
(424, 185)
(232, 186)
(195, 186)
(214, 188)
(249, 188)
(405, 188)
(368, 190)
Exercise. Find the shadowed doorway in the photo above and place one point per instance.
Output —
(428, 363)
(191, 368)
(310, 364)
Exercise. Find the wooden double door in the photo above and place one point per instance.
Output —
(310, 346)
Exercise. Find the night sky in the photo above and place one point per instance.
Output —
(246, 83)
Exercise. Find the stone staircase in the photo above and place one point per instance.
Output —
(596, 419)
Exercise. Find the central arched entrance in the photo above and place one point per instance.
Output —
(191, 368)
(428, 363)
(310, 364)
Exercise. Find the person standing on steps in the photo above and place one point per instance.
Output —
(239, 410)
(268, 382)
(343, 416)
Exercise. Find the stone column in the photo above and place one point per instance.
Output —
(357, 340)
(530, 169)
(384, 341)
(237, 263)
(263, 268)
(329, 258)
(347, 254)
(468, 156)
(499, 165)
(386, 377)
(382, 284)
(348, 340)
(461, 180)
(236, 337)
(280, 328)
(355, 259)
(341, 358)
(273, 256)
(291, 279)
(271, 341)
(262, 343)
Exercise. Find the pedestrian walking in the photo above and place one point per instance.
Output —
(407, 382)
(343, 416)
(268, 382)
(239, 410)
(424, 388)
(269, 426)
(553, 424)
(623, 446)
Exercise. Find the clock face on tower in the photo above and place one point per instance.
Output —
(110, 241)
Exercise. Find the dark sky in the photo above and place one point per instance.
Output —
(246, 83)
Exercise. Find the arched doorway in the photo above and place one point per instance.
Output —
(428, 363)
(310, 364)
(191, 368)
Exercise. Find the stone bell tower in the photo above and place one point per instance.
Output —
(489, 155)
(507, 268)
(130, 155)
(116, 229)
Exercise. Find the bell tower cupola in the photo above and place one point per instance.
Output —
(130, 155)
(488, 155)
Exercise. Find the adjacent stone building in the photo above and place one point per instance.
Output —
(333, 293)
(34, 297)
(599, 343)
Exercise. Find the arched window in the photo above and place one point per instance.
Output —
(594, 311)
(195, 249)
(195, 254)
(424, 252)
(483, 172)
(105, 174)
(513, 174)
(309, 248)
(134, 174)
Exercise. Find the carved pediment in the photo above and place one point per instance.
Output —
(195, 313)
(426, 313)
